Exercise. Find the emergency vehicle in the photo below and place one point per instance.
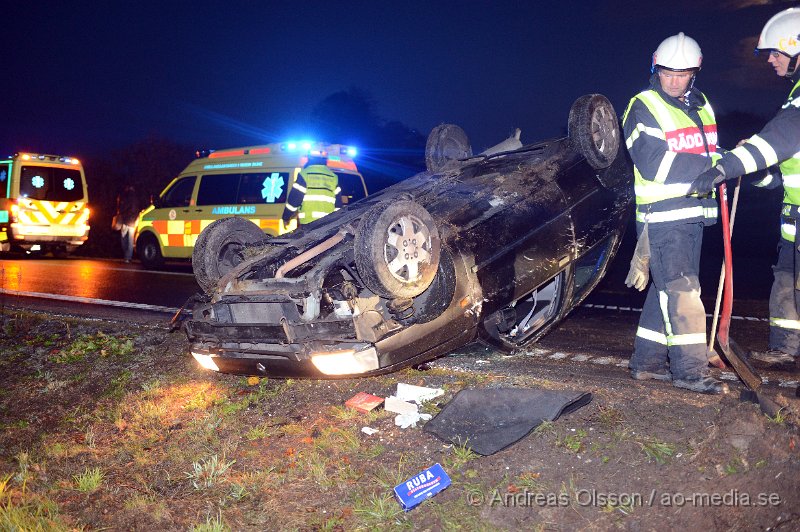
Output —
(43, 203)
(251, 182)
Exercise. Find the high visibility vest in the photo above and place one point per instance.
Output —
(322, 187)
(790, 171)
(682, 135)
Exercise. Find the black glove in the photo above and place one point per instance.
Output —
(705, 182)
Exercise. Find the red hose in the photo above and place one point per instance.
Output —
(727, 299)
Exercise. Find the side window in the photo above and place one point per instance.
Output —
(180, 193)
(5, 178)
(264, 187)
(589, 266)
(218, 189)
(352, 188)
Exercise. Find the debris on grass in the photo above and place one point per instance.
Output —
(421, 487)
(364, 402)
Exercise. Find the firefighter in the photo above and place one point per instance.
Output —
(671, 134)
(778, 142)
(314, 193)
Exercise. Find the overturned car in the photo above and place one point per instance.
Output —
(498, 246)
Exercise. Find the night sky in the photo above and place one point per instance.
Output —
(82, 78)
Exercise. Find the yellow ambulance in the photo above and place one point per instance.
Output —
(251, 182)
(43, 203)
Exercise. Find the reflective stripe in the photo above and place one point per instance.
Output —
(301, 215)
(664, 117)
(641, 128)
(765, 182)
(789, 229)
(766, 150)
(291, 207)
(663, 301)
(795, 102)
(318, 214)
(791, 181)
(677, 214)
(674, 190)
(299, 187)
(319, 197)
(710, 212)
(338, 190)
(687, 339)
(663, 168)
(653, 336)
(784, 323)
(747, 160)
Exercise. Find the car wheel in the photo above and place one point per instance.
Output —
(446, 143)
(397, 249)
(430, 304)
(149, 251)
(198, 259)
(223, 248)
(594, 129)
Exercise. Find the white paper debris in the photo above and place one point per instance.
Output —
(369, 431)
(398, 406)
(417, 394)
(405, 421)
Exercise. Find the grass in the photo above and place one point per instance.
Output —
(187, 450)
(657, 451)
(102, 344)
(544, 428)
(88, 481)
(574, 442)
(460, 456)
(778, 419)
(378, 511)
(212, 524)
(208, 472)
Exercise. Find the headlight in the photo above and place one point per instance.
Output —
(206, 361)
(346, 362)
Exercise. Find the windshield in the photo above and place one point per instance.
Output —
(50, 183)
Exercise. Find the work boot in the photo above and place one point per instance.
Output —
(773, 357)
(705, 384)
(639, 375)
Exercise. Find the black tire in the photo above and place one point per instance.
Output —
(198, 259)
(432, 302)
(446, 143)
(149, 251)
(393, 266)
(223, 247)
(594, 130)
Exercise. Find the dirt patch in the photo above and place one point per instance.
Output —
(112, 425)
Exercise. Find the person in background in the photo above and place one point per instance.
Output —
(127, 215)
(671, 134)
(777, 144)
(314, 192)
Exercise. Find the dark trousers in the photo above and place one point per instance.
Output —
(672, 327)
(784, 301)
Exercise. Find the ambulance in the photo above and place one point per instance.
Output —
(43, 203)
(251, 182)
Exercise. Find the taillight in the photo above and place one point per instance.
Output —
(14, 213)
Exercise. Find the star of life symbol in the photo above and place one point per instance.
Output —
(273, 187)
(3, 176)
(69, 184)
(37, 181)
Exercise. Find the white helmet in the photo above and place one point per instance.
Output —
(782, 33)
(678, 52)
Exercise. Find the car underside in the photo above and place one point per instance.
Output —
(497, 246)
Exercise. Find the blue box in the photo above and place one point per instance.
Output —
(422, 486)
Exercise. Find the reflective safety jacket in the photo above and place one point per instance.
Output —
(778, 142)
(313, 194)
(670, 143)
